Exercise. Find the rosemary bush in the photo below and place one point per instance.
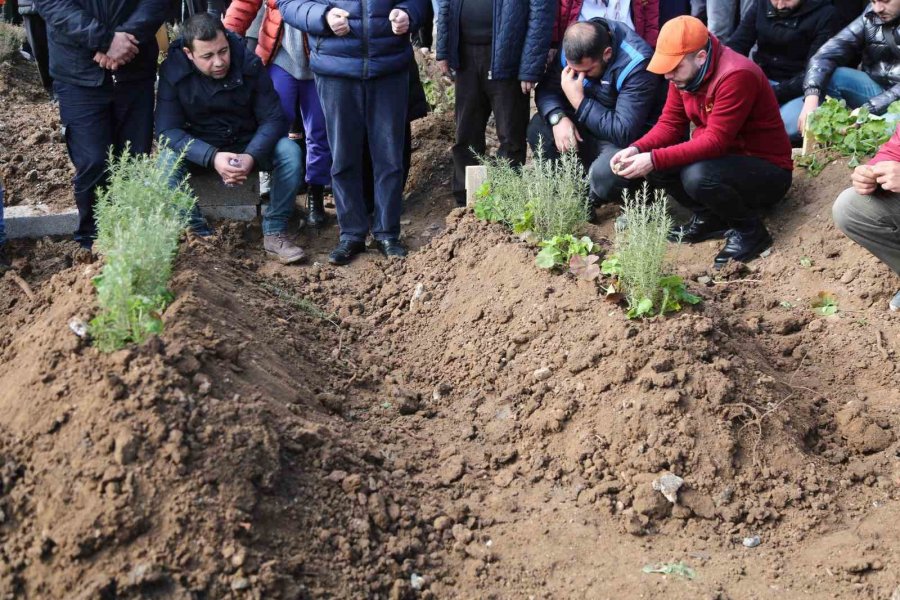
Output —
(140, 220)
(11, 38)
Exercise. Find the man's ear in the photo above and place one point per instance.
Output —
(607, 54)
(701, 56)
(188, 53)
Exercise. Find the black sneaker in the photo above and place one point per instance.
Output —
(345, 251)
(392, 248)
(744, 243)
(699, 228)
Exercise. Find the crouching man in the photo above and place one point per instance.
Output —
(597, 98)
(869, 212)
(737, 161)
(216, 100)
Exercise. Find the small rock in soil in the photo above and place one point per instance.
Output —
(443, 522)
(542, 374)
(752, 542)
(668, 485)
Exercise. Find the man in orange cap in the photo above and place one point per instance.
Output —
(736, 162)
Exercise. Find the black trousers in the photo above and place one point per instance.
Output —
(595, 155)
(477, 96)
(735, 188)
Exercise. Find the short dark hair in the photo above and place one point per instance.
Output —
(203, 27)
(585, 39)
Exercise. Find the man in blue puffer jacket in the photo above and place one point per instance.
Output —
(498, 49)
(360, 53)
(598, 97)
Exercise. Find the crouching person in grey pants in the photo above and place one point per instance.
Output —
(869, 212)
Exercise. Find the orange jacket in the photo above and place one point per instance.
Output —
(240, 15)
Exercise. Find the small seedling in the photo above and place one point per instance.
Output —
(806, 262)
(559, 250)
(585, 267)
(680, 569)
(825, 304)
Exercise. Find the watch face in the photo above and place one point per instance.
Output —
(555, 118)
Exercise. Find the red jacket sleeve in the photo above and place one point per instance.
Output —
(733, 101)
(890, 150)
(671, 126)
(647, 12)
(240, 15)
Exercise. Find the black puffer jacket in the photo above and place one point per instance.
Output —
(786, 43)
(864, 41)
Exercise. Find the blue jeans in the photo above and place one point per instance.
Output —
(95, 118)
(853, 86)
(286, 169)
(369, 111)
(790, 114)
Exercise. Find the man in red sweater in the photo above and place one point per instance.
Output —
(869, 212)
(736, 162)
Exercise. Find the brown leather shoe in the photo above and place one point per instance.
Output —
(281, 248)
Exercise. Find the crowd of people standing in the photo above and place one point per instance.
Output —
(702, 99)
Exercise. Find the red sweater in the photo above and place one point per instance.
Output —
(734, 112)
(889, 151)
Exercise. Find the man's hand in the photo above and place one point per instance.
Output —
(105, 61)
(123, 48)
(887, 174)
(635, 167)
(572, 84)
(810, 104)
(864, 181)
(337, 20)
(616, 164)
(566, 135)
(444, 66)
(231, 174)
(527, 86)
(399, 21)
(247, 163)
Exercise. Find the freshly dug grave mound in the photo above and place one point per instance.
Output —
(203, 464)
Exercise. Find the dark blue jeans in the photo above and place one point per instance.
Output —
(373, 111)
(95, 118)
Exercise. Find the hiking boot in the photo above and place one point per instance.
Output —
(392, 248)
(345, 251)
(315, 205)
(895, 303)
(5, 263)
(699, 228)
(280, 247)
(198, 224)
(744, 242)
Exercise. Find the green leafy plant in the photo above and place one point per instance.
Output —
(806, 262)
(440, 94)
(639, 258)
(680, 569)
(559, 250)
(825, 304)
(140, 220)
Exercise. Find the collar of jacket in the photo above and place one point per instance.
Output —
(806, 7)
(240, 65)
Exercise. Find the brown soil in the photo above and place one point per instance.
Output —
(462, 416)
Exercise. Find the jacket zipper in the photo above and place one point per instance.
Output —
(493, 36)
(365, 38)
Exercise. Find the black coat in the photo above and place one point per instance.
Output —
(863, 41)
(786, 43)
(239, 113)
(78, 29)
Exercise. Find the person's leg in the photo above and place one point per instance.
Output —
(344, 102)
(720, 15)
(288, 90)
(852, 86)
(318, 153)
(872, 222)
(790, 115)
(540, 136)
(133, 116)
(407, 152)
(472, 108)
(386, 126)
(606, 186)
(510, 108)
(286, 170)
(87, 117)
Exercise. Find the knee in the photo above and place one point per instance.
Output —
(846, 210)
(697, 178)
(287, 154)
(603, 181)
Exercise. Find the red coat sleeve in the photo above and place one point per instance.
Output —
(240, 15)
(890, 150)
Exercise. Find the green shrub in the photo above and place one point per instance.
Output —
(11, 38)
(139, 221)
(640, 257)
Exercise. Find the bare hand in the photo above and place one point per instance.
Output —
(123, 48)
(887, 174)
(572, 83)
(527, 86)
(635, 167)
(566, 135)
(337, 20)
(247, 163)
(864, 181)
(615, 163)
(231, 174)
(444, 66)
(105, 61)
(810, 104)
(399, 21)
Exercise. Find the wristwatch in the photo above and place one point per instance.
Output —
(556, 117)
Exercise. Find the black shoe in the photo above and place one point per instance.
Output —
(5, 263)
(315, 206)
(744, 243)
(392, 248)
(460, 199)
(699, 228)
(345, 252)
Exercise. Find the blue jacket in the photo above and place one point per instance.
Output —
(522, 32)
(77, 29)
(240, 113)
(370, 49)
(623, 103)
